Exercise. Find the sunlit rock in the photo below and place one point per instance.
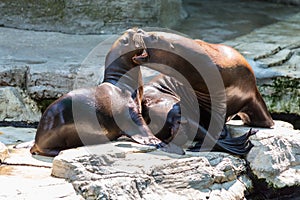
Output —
(275, 155)
(17, 106)
(128, 170)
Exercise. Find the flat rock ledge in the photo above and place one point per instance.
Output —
(125, 170)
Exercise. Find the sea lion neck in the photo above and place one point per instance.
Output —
(122, 72)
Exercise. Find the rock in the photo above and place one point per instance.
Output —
(16, 106)
(90, 17)
(127, 170)
(13, 76)
(26, 177)
(47, 65)
(12, 135)
(217, 28)
(276, 52)
(3, 152)
(275, 155)
(131, 171)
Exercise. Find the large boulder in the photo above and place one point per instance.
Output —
(15, 105)
(275, 155)
(131, 171)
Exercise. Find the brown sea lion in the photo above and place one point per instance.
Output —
(77, 111)
(181, 127)
(241, 93)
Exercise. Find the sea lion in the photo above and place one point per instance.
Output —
(241, 93)
(84, 117)
(72, 113)
(166, 98)
(221, 78)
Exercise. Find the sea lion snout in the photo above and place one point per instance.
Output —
(140, 59)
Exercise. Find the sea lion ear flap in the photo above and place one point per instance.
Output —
(140, 59)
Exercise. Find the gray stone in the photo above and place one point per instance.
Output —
(216, 21)
(291, 2)
(16, 106)
(89, 17)
(275, 155)
(130, 171)
(13, 75)
(48, 64)
(12, 135)
(26, 177)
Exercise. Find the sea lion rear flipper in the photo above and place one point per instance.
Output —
(239, 145)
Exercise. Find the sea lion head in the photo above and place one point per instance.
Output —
(128, 45)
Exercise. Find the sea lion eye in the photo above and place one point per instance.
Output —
(124, 40)
(154, 37)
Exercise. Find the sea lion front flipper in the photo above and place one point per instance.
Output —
(153, 141)
(172, 148)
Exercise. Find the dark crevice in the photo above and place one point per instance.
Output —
(19, 124)
(293, 119)
(263, 191)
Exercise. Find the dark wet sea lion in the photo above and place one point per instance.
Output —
(98, 115)
(165, 98)
(84, 117)
(81, 117)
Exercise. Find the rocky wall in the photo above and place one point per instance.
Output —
(89, 17)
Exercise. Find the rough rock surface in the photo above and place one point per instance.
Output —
(47, 65)
(17, 106)
(275, 155)
(124, 170)
(23, 176)
(12, 135)
(89, 17)
(276, 52)
(127, 170)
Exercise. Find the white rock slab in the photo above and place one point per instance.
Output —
(126, 170)
(275, 155)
